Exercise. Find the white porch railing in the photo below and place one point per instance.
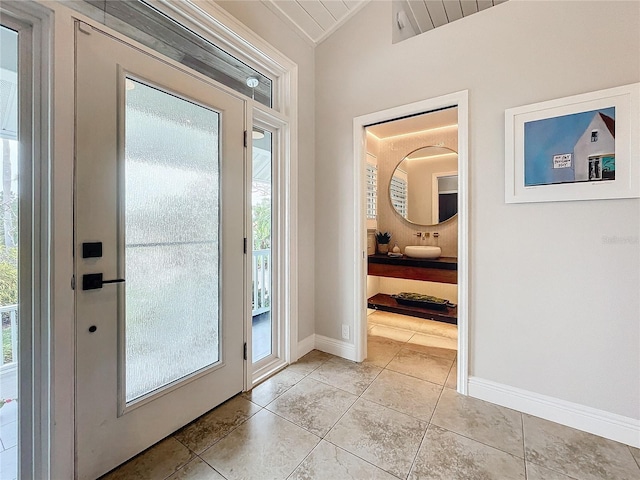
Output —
(261, 281)
(10, 311)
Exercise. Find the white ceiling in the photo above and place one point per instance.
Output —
(418, 123)
(315, 19)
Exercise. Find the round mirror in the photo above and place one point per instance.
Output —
(424, 186)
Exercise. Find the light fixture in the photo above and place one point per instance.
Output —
(252, 82)
(257, 134)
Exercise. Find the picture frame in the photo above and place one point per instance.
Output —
(582, 147)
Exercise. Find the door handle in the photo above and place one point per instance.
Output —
(94, 281)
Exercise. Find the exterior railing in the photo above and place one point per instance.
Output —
(261, 281)
(9, 314)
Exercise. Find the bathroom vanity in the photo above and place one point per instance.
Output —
(441, 270)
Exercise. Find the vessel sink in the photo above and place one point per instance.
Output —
(422, 251)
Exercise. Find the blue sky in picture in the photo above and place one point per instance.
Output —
(554, 136)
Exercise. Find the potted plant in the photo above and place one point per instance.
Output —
(383, 239)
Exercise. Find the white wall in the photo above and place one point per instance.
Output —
(262, 21)
(554, 305)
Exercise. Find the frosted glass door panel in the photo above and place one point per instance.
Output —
(171, 195)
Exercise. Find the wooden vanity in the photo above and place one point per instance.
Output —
(441, 270)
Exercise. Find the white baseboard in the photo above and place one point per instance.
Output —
(336, 347)
(609, 425)
(306, 345)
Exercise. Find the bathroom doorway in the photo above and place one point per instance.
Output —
(412, 172)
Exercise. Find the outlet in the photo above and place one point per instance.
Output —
(345, 332)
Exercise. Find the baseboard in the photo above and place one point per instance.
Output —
(306, 345)
(609, 425)
(336, 347)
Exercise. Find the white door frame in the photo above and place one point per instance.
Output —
(286, 340)
(57, 42)
(461, 100)
(34, 25)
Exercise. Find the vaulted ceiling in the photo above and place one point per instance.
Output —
(315, 20)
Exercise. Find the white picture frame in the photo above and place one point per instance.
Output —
(551, 157)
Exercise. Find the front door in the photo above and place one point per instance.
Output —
(158, 249)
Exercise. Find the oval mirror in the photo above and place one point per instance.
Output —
(424, 186)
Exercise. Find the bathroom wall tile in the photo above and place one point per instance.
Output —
(212, 426)
(265, 447)
(379, 435)
(482, 421)
(313, 405)
(536, 472)
(307, 364)
(349, 376)
(327, 461)
(445, 455)
(158, 462)
(576, 453)
(420, 365)
(405, 394)
(270, 389)
(196, 469)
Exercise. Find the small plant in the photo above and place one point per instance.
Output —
(383, 238)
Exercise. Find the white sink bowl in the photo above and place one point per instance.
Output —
(422, 251)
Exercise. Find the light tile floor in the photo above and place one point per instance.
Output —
(395, 416)
(9, 424)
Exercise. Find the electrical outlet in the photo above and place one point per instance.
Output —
(345, 332)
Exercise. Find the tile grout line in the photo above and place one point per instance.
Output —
(212, 467)
(524, 449)
(424, 435)
(637, 460)
(304, 376)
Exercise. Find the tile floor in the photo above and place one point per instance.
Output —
(9, 424)
(395, 416)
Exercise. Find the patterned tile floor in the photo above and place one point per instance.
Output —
(395, 416)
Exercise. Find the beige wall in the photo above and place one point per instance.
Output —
(554, 306)
(263, 22)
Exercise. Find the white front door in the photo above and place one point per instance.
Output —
(158, 249)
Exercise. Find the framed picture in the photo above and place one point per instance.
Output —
(583, 147)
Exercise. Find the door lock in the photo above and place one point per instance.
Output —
(94, 281)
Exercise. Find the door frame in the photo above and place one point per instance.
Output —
(57, 394)
(458, 99)
(282, 255)
(35, 236)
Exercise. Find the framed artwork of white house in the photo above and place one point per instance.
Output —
(583, 147)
